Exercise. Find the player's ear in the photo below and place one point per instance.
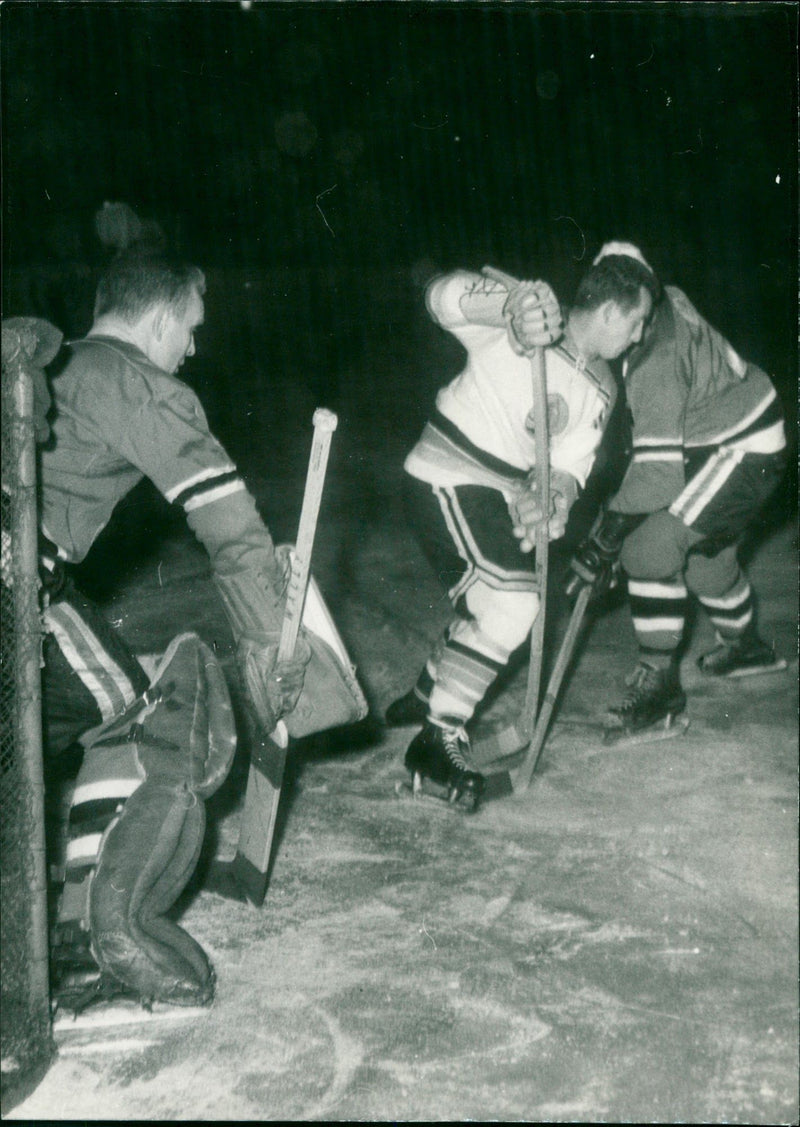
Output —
(607, 310)
(159, 321)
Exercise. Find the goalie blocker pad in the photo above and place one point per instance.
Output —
(331, 695)
(136, 827)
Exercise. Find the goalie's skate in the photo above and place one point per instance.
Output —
(438, 767)
(651, 711)
(76, 981)
(83, 997)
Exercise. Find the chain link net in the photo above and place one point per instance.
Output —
(25, 1030)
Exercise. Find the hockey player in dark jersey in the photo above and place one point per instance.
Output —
(708, 453)
(120, 413)
(154, 747)
(471, 485)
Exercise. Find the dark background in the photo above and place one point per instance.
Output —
(321, 161)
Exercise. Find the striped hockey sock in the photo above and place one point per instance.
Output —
(107, 778)
(464, 674)
(659, 613)
(732, 613)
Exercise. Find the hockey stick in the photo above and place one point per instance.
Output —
(541, 540)
(517, 736)
(268, 758)
(521, 778)
(505, 781)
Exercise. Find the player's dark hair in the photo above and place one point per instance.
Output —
(135, 282)
(618, 278)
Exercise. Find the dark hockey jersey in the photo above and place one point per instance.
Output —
(118, 418)
(688, 389)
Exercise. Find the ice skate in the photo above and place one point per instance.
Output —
(76, 981)
(742, 657)
(406, 711)
(651, 710)
(436, 760)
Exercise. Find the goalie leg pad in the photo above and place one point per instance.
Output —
(131, 938)
(189, 736)
(142, 786)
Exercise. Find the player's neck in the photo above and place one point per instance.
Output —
(112, 326)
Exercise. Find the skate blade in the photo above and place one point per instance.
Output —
(119, 1012)
(427, 791)
(754, 671)
(672, 727)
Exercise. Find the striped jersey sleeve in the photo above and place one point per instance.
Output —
(172, 444)
(118, 418)
(169, 440)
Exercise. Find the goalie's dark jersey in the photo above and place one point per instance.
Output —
(690, 396)
(118, 418)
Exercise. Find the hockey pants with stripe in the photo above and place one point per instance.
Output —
(668, 559)
(466, 534)
(89, 674)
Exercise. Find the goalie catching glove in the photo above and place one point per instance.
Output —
(533, 317)
(273, 687)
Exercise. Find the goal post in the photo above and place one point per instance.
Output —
(26, 1042)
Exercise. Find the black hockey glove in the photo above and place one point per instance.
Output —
(596, 562)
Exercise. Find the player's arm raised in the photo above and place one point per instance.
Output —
(529, 311)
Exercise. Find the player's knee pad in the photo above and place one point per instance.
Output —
(712, 576)
(657, 549)
(137, 823)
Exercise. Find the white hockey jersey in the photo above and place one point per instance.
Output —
(482, 431)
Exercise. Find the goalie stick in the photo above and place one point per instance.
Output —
(268, 757)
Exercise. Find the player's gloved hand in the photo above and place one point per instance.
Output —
(595, 566)
(596, 562)
(273, 686)
(527, 511)
(533, 317)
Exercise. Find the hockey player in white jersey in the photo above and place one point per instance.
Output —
(471, 485)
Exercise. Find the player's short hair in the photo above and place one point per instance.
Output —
(135, 282)
(618, 278)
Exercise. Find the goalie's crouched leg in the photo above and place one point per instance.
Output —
(136, 828)
(135, 883)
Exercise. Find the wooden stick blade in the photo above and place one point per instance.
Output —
(259, 817)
